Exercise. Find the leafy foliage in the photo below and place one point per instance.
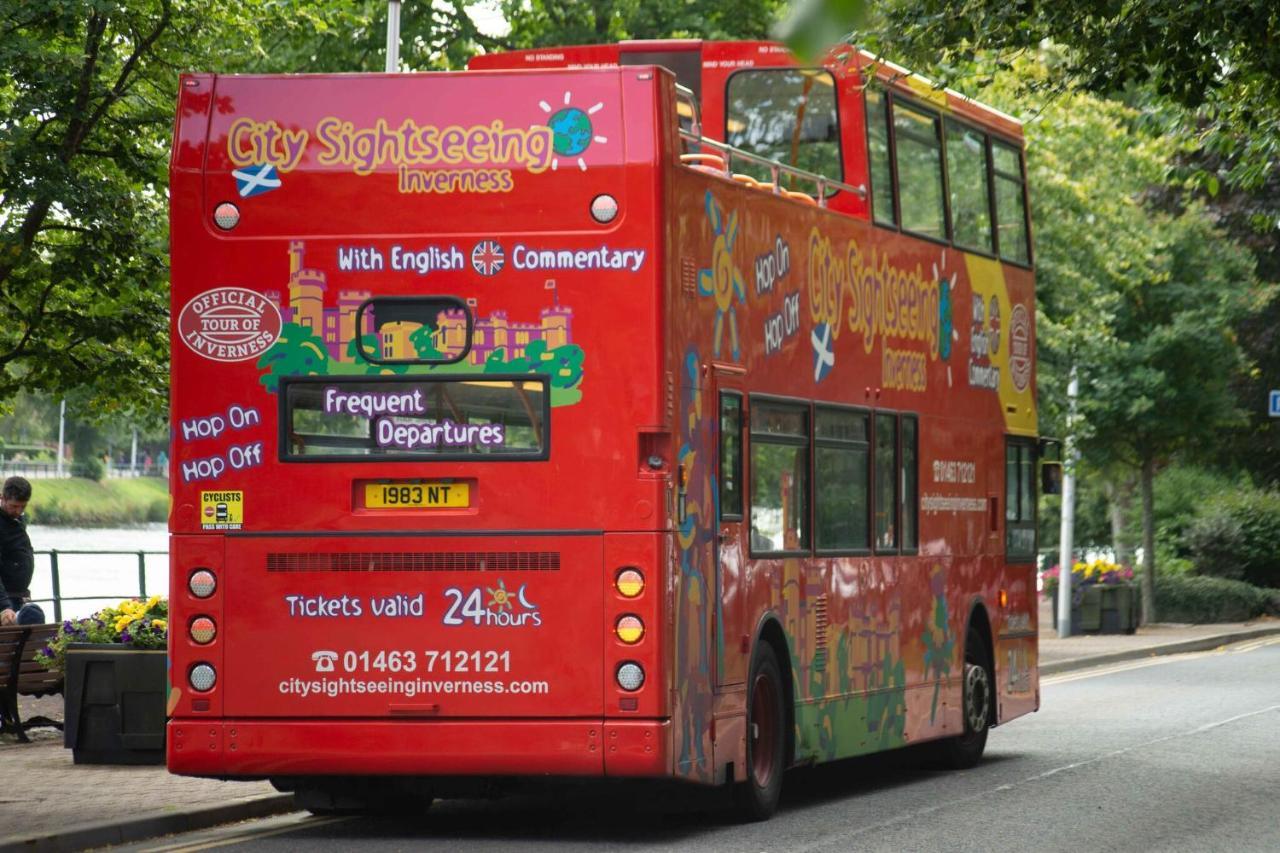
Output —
(1237, 536)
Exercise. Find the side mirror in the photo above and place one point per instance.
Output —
(1050, 478)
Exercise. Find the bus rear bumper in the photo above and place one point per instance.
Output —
(500, 747)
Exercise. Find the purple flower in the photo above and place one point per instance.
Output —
(124, 636)
(47, 651)
(66, 626)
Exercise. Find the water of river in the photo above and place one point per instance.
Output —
(111, 576)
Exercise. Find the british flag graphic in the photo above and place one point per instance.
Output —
(487, 257)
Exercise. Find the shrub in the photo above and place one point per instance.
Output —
(90, 468)
(1209, 599)
(1237, 536)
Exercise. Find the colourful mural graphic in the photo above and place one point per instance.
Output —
(694, 537)
(572, 131)
(319, 339)
(857, 703)
(722, 280)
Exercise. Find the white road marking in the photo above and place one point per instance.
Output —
(916, 815)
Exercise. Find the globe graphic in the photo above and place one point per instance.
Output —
(572, 131)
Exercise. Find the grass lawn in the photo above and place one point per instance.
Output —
(79, 502)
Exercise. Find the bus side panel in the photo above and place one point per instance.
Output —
(824, 308)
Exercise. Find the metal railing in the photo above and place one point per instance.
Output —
(56, 577)
(777, 170)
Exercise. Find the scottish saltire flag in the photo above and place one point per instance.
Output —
(256, 180)
(824, 358)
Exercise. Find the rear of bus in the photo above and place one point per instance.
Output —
(420, 460)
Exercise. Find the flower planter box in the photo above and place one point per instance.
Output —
(115, 704)
(1102, 609)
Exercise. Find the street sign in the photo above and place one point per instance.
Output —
(1274, 408)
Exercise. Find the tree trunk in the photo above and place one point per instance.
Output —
(1118, 496)
(1148, 542)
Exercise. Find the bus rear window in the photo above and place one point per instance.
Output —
(393, 418)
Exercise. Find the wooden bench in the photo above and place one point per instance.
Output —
(21, 673)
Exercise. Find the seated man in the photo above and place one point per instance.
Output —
(17, 560)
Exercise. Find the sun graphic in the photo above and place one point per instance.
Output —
(500, 597)
(722, 280)
(573, 133)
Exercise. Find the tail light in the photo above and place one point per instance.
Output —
(202, 677)
(630, 676)
(629, 629)
(203, 630)
(202, 583)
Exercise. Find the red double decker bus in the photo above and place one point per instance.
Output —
(662, 409)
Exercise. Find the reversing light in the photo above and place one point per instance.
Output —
(226, 216)
(629, 629)
(604, 208)
(630, 677)
(629, 582)
(202, 583)
(202, 677)
(203, 630)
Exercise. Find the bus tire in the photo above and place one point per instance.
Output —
(964, 751)
(757, 798)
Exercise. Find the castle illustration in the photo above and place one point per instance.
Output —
(336, 324)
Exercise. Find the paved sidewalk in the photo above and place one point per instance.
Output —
(1068, 653)
(49, 803)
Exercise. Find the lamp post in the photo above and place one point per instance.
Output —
(1067, 531)
(393, 36)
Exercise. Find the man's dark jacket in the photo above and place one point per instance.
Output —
(17, 562)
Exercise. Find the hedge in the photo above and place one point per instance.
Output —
(1209, 599)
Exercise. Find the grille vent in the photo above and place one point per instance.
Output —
(689, 277)
(415, 561)
(820, 623)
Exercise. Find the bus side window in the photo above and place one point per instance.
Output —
(730, 456)
(886, 473)
(779, 477)
(909, 488)
(842, 480)
(1020, 499)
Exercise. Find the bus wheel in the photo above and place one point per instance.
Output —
(964, 751)
(757, 798)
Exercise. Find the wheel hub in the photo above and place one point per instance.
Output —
(977, 696)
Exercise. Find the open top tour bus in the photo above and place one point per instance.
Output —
(661, 409)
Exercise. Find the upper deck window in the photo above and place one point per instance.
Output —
(392, 418)
(788, 115)
(1011, 208)
(967, 181)
(881, 168)
(983, 207)
(919, 156)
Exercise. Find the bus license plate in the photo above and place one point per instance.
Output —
(416, 495)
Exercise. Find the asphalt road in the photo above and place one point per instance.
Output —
(1178, 753)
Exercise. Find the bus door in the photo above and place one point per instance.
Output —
(730, 541)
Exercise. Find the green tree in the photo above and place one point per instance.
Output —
(1142, 301)
(539, 23)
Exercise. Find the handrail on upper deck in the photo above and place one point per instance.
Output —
(726, 154)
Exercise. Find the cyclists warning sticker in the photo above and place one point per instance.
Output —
(221, 510)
